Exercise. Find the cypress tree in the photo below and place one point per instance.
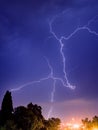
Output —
(6, 107)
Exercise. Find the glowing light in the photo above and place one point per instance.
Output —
(73, 126)
(76, 126)
(95, 128)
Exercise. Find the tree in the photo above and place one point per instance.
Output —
(27, 119)
(52, 124)
(95, 122)
(87, 123)
(24, 118)
(90, 124)
(6, 108)
(7, 105)
(10, 125)
(37, 110)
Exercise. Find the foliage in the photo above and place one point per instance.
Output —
(10, 125)
(52, 124)
(24, 118)
(90, 124)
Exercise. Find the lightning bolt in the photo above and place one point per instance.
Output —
(50, 76)
(60, 41)
(65, 82)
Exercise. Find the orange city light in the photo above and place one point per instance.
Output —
(76, 126)
(95, 128)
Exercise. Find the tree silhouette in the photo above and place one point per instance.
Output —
(24, 118)
(95, 122)
(90, 124)
(52, 124)
(6, 108)
(37, 110)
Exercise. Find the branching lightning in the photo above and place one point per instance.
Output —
(65, 82)
(50, 76)
(60, 40)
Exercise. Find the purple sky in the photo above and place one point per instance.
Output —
(38, 37)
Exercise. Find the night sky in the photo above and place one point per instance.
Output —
(49, 55)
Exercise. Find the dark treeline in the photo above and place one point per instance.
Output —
(90, 124)
(24, 118)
